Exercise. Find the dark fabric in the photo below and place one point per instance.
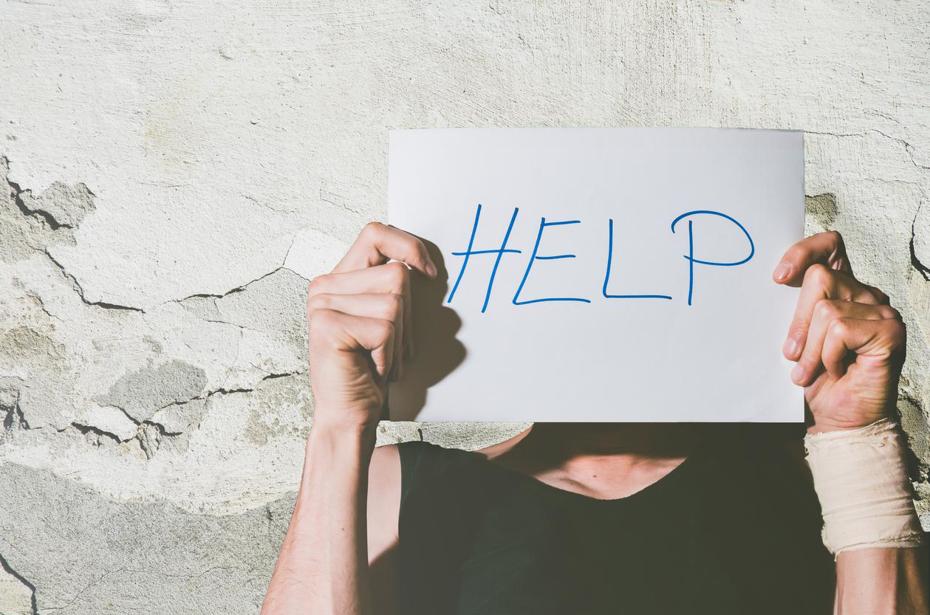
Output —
(733, 529)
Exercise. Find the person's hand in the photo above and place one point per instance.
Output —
(360, 325)
(847, 341)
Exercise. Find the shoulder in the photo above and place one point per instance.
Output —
(396, 470)
(422, 463)
(449, 481)
(397, 474)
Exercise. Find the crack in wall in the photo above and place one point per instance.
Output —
(58, 206)
(83, 590)
(232, 291)
(39, 213)
(922, 268)
(5, 566)
(151, 433)
(149, 437)
(58, 209)
(86, 429)
(14, 418)
(80, 290)
(241, 287)
(225, 391)
(908, 148)
(63, 207)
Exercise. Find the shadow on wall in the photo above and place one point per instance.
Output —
(437, 352)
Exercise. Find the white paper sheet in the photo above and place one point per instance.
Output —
(504, 355)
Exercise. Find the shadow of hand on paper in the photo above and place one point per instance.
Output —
(437, 352)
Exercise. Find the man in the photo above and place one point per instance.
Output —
(591, 518)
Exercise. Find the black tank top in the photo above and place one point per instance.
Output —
(733, 529)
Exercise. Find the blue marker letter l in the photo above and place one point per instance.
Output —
(610, 256)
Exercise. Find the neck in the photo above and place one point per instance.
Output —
(603, 460)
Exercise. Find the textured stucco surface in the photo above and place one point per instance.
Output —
(173, 172)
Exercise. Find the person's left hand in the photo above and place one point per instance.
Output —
(847, 341)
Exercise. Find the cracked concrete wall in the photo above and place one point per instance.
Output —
(172, 173)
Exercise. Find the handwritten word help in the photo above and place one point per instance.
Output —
(692, 258)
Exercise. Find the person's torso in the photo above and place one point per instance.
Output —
(728, 531)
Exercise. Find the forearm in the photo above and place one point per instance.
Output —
(882, 582)
(323, 564)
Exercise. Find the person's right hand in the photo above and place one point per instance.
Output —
(360, 325)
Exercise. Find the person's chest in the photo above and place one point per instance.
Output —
(533, 555)
(709, 541)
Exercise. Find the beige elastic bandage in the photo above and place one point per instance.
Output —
(864, 491)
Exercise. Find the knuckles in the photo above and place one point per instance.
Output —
(819, 275)
(826, 310)
(835, 238)
(397, 275)
(839, 328)
(393, 305)
(877, 294)
(323, 323)
(385, 331)
(317, 285)
(889, 312)
(897, 333)
(318, 301)
(372, 231)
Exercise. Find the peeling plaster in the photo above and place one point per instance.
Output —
(59, 205)
(12, 414)
(143, 392)
(108, 420)
(822, 208)
(23, 231)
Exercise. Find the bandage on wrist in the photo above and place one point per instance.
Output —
(865, 495)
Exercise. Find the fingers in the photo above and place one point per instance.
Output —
(874, 341)
(378, 243)
(339, 331)
(826, 314)
(826, 249)
(365, 269)
(390, 278)
(382, 306)
(821, 282)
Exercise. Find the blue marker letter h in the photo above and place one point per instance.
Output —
(499, 252)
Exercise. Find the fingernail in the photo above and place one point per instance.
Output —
(431, 268)
(782, 272)
(797, 374)
(791, 348)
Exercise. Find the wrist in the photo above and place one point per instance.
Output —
(340, 439)
(864, 491)
(337, 456)
(824, 424)
(341, 423)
